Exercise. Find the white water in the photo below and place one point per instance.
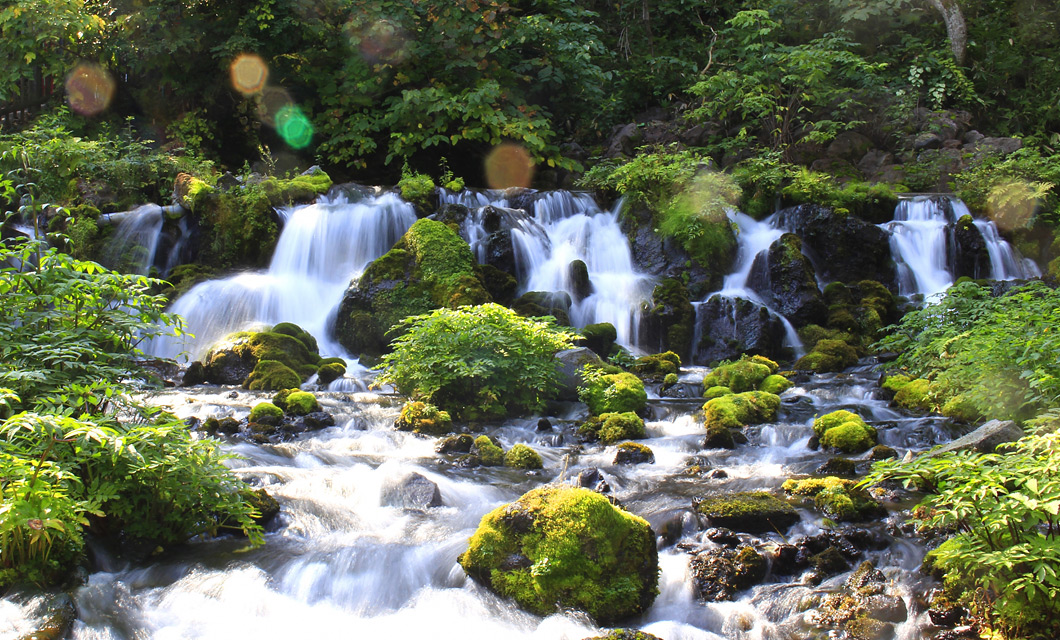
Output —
(135, 241)
(921, 235)
(321, 248)
(564, 227)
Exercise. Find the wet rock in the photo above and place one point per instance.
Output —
(838, 467)
(943, 611)
(593, 480)
(882, 452)
(985, 439)
(971, 258)
(55, 612)
(666, 258)
(266, 506)
(314, 421)
(842, 247)
(722, 536)
(717, 474)
(785, 279)
(849, 145)
(626, 634)
(865, 608)
(730, 327)
(671, 321)
(634, 453)
(544, 303)
(717, 574)
(460, 443)
(195, 375)
(599, 337)
(578, 274)
(413, 492)
(544, 424)
(966, 632)
(570, 363)
(749, 512)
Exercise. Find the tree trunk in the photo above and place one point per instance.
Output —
(955, 26)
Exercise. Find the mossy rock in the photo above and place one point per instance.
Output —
(566, 548)
(266, 413)
(845, 431)
(657, 366)
(749, 512)
(836, 498)
(828, 356)
(634, 453)
(717, 392)
(672, 316)
(625, 634)
(500, 285)
(520, 456)
(962, 409)
(599, 337)
(915, 395)
(746, 374)
(330, 372)
(430, 267)
(421, 417)
(185, 276)
(300, 403)
(264, 504)
(280, 399)
(776, 384)
(488, 452)
(610, 428)
(270, 375)
(893, 384)
(738, 410)
(614, 393)
(536, 304)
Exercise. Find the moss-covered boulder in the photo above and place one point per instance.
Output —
(790, 283)
(836, 498)
(748, 511)
(671, 322)
(745, 374)
(610, 428)
(827, 356)
(430, 267)
(301, 403)
(534, 304)
(625, 634)
(421, 417)
(738, 410)
(566, 547)
(915, 395)
(657, 366)
(599, 337)
(717, 392)
(844, 431)
(263, 360)
(521, 456)
(634, 453)
(488, 452)
(330, 369)
(266, 413)
(776, 384)
(613, 392)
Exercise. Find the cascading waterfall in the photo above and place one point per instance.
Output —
(321, 248)
(562, 228)
(921, 241)
(134, 244)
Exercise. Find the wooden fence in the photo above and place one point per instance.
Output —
(33, 93)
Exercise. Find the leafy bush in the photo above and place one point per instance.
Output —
(1001, 353)
(1013, 189)
(1002, 508)
(481, 361)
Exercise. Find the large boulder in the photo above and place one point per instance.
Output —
(570, 368)
(428, 268)
(670, 323)
(413, 492)
(281, 357)
(971, 257)
(730, 327)
(843, 247)
(666, 258)
(785, 279)
(566, 547)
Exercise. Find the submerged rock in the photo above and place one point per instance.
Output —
(414, 492)
(566, 547)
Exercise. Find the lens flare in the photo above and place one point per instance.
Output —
(89, 89)
(509, 165)
(380, 42)
(294, 127)
(271, 101)
(249, 73)
(1012, 203)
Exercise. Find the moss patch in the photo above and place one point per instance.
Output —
(836, 498)
(828, 355)
(300, 403)
(609, 428)
(566, 547)
(420, 417)
(488, 452)
(613, 393)
(269, 375)
(743, 375)
(657, 366)
(749, 511)
(520, 456)
(844, 431)
(776, 384)
(741, 409)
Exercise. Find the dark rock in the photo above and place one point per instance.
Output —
(971, 257)
(266, 506)
(829, 562)
(750, 512)
(882, 452)
(414, 492)
(787, 282)
(722, 536)
(972, 137)
(873, 162)
(624, 139)
(196, 374)
(460, 443)
(578, 273)
(1002, 146)
(544, 424)
(719, 438)
(666, 258)
(599, 337)
(717, 574)
(671, 321)
(717, 474)
(227, 426)
(315, 421)
(843, 248)
(570, 363)
(634, 453)
(926, 140)
(592, 479)
(966, 632)
(545, 303)
(849, 145)
(838, 467)
(944, 612)
(730, 327)
(985, 439)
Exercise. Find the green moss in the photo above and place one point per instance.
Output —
(600, 337)
(717, 392)
(669, 380)
(834, 419)
(828, 355)
(836, 498)
(960, 408)
(266, 412)
(750, 511)
(613, 427)
(330, 372)
(300, 403)
(895, 383)
(521, 456)
(489, 454)
(421, 417)
(738, 410)
(849, 437)
(416, 187)
(280, 399)
(270, 375)
(634, 453)
(746, 374)
(675, 315)
(613, 393)
(566, 547)
(183, 277)
(916, 396)
(657, 366)
(776, 384)
(298, 333)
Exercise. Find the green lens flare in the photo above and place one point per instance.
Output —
(294, 127)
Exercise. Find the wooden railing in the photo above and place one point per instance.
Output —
(33, 93)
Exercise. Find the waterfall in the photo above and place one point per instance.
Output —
(135, 241)
(564, 227)
(922, 245)
(322, 246)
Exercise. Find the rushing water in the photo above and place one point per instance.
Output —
(341, 558)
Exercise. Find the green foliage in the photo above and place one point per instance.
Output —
(49, 35)
(483, 361)
(584, 553)
(776, 94)
(415, 187)
(611, 392)
(1000, 353)
(1002, 508)
(1014, 190)
(421, 417)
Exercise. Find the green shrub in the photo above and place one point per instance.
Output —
(612, 393)
(415, 186)
(421, 417)
(477, 362)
